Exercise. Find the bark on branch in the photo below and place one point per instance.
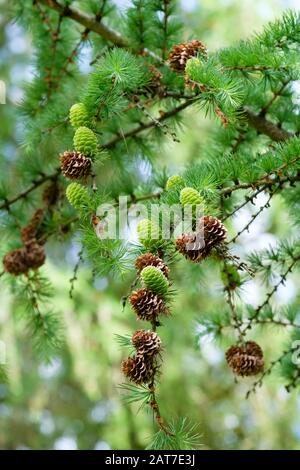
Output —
(87, 21)
(262, 125)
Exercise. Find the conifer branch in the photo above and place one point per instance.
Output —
(261, 183)
(276, 95)
(253, 217)
(75, 273)
(148, 125)
(270, 294)
(252, 68)
(270, 321)
(266, 372)
(266, 181)
(243, 204)
(88, 22)
(155, 408)
(236, 320)
(44, 17)
(263, 126)
(34, 185)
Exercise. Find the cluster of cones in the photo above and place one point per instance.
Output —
(148, 305)
(77, 164)
(245, 359)
(31, 254)
(141, 368)
(198, 246)
(181, 53)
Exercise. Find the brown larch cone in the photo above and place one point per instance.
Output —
(14, 262)
(147, 305)
(138, 369)
(155, 86)
(245, 360)
(75, 165)
(148, 259)
(197, 247)
(51, 193)
(34, 254)
(180, 54)
(30, 231)
(147, 343)
(19, 261)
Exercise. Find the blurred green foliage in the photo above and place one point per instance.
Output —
(74, 401)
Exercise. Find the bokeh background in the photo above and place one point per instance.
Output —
(74, 402)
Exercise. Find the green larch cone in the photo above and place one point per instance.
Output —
(230, 277)
(153, 279)
(85, 141)
(77, 195)
(79, 116)
(192, 66)
(190, 196)
(175, 182)
(148, 232)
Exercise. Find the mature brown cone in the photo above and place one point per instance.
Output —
(180, 54)
(245, 360)
(34, 254)
(19, 261)
(198, 246)
(148, 259)
(138, 369)
(75, 165)
(147, 305)
(14, 262)
(147, 343)
(51, 193)
(30, 231)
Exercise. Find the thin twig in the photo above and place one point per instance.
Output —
(276, 94)
(236, 320)
(148, 125)
(75, 272)
(252, 218)
(272, 292)
(243, 204)
(34, 185)
(259, 382)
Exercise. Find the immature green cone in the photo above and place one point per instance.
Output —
(79, 116)
(175, 182)
(192, 66)
(190, 196)
(148, 232)
(148, 259)
(77, 195)
(153, 279)
(85, 141)
(230, 277)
